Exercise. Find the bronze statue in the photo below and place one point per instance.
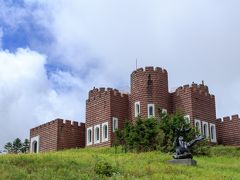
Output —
(183, 147)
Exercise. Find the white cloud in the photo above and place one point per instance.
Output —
(194, 40)
(28, 97)
(100, 40)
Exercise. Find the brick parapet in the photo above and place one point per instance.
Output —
(149, 86)
(150, 69)
(194, 100)
(228, 130)
(59, 134)
(196, 88)
(99, 92)
(101, 106)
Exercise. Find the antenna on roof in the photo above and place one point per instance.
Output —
(136, 63)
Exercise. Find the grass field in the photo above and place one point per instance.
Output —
(224, 163)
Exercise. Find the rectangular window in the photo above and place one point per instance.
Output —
(89, 136)
(137, 109)
(151, 110)
(115, 124)
(105, 132)
(187, 119)
(96, 134)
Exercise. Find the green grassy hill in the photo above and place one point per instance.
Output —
(224, 163)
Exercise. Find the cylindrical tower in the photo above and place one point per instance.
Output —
(149, 92)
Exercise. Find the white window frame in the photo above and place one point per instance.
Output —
(114, 124)
(207, 133)
(164, 111)
(95, 136)
(200, 125)
(89, 143)
(33, 139)
(153, 107)
(214, 139)
(103, 132)
(187, 119)
(135, 109)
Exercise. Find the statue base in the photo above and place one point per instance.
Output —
(187, 162)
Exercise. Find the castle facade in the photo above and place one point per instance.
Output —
(107, 109)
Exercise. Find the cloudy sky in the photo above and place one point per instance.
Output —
(52, 52)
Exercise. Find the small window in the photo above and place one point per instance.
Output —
(198, 126)
(213, 133)
(151, 110)
(164, 111)
(96, 134)
(115, 124)
(205, 129)
(89, 136)
(137, 109)
(187, 119)
(105, 132)
(34, 144)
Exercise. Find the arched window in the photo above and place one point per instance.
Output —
(212, 132)
(89, 135)
(205, 130)
(115, 124)
(35, 146)
(151, 110)
(198, 126)
(97, 132)
(105, 132)
(137, 109)
(213, 136)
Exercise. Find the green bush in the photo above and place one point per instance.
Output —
(104, 168)
(157, 134)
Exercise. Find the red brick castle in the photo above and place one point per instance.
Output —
(108, 109)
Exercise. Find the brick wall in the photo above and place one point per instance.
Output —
(71, 134)
(57, 135)
(102, 105)
(229, 130)
(48, 134)
(196, 101)
(149, 86)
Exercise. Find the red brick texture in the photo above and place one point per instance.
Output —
(102, 105)
(195, 101)
(149, 86)
(58, 135)
(229, 130)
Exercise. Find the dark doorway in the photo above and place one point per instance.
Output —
(35, 145)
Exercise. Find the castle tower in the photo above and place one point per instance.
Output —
(149, 92)
(198, 106)
(106, 111)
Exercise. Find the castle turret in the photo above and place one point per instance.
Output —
(106, 111)
(149, 91)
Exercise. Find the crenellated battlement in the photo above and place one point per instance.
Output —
(199, 88)
(97, 93)
(150, 69)
(228, 119)
(59, 122)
